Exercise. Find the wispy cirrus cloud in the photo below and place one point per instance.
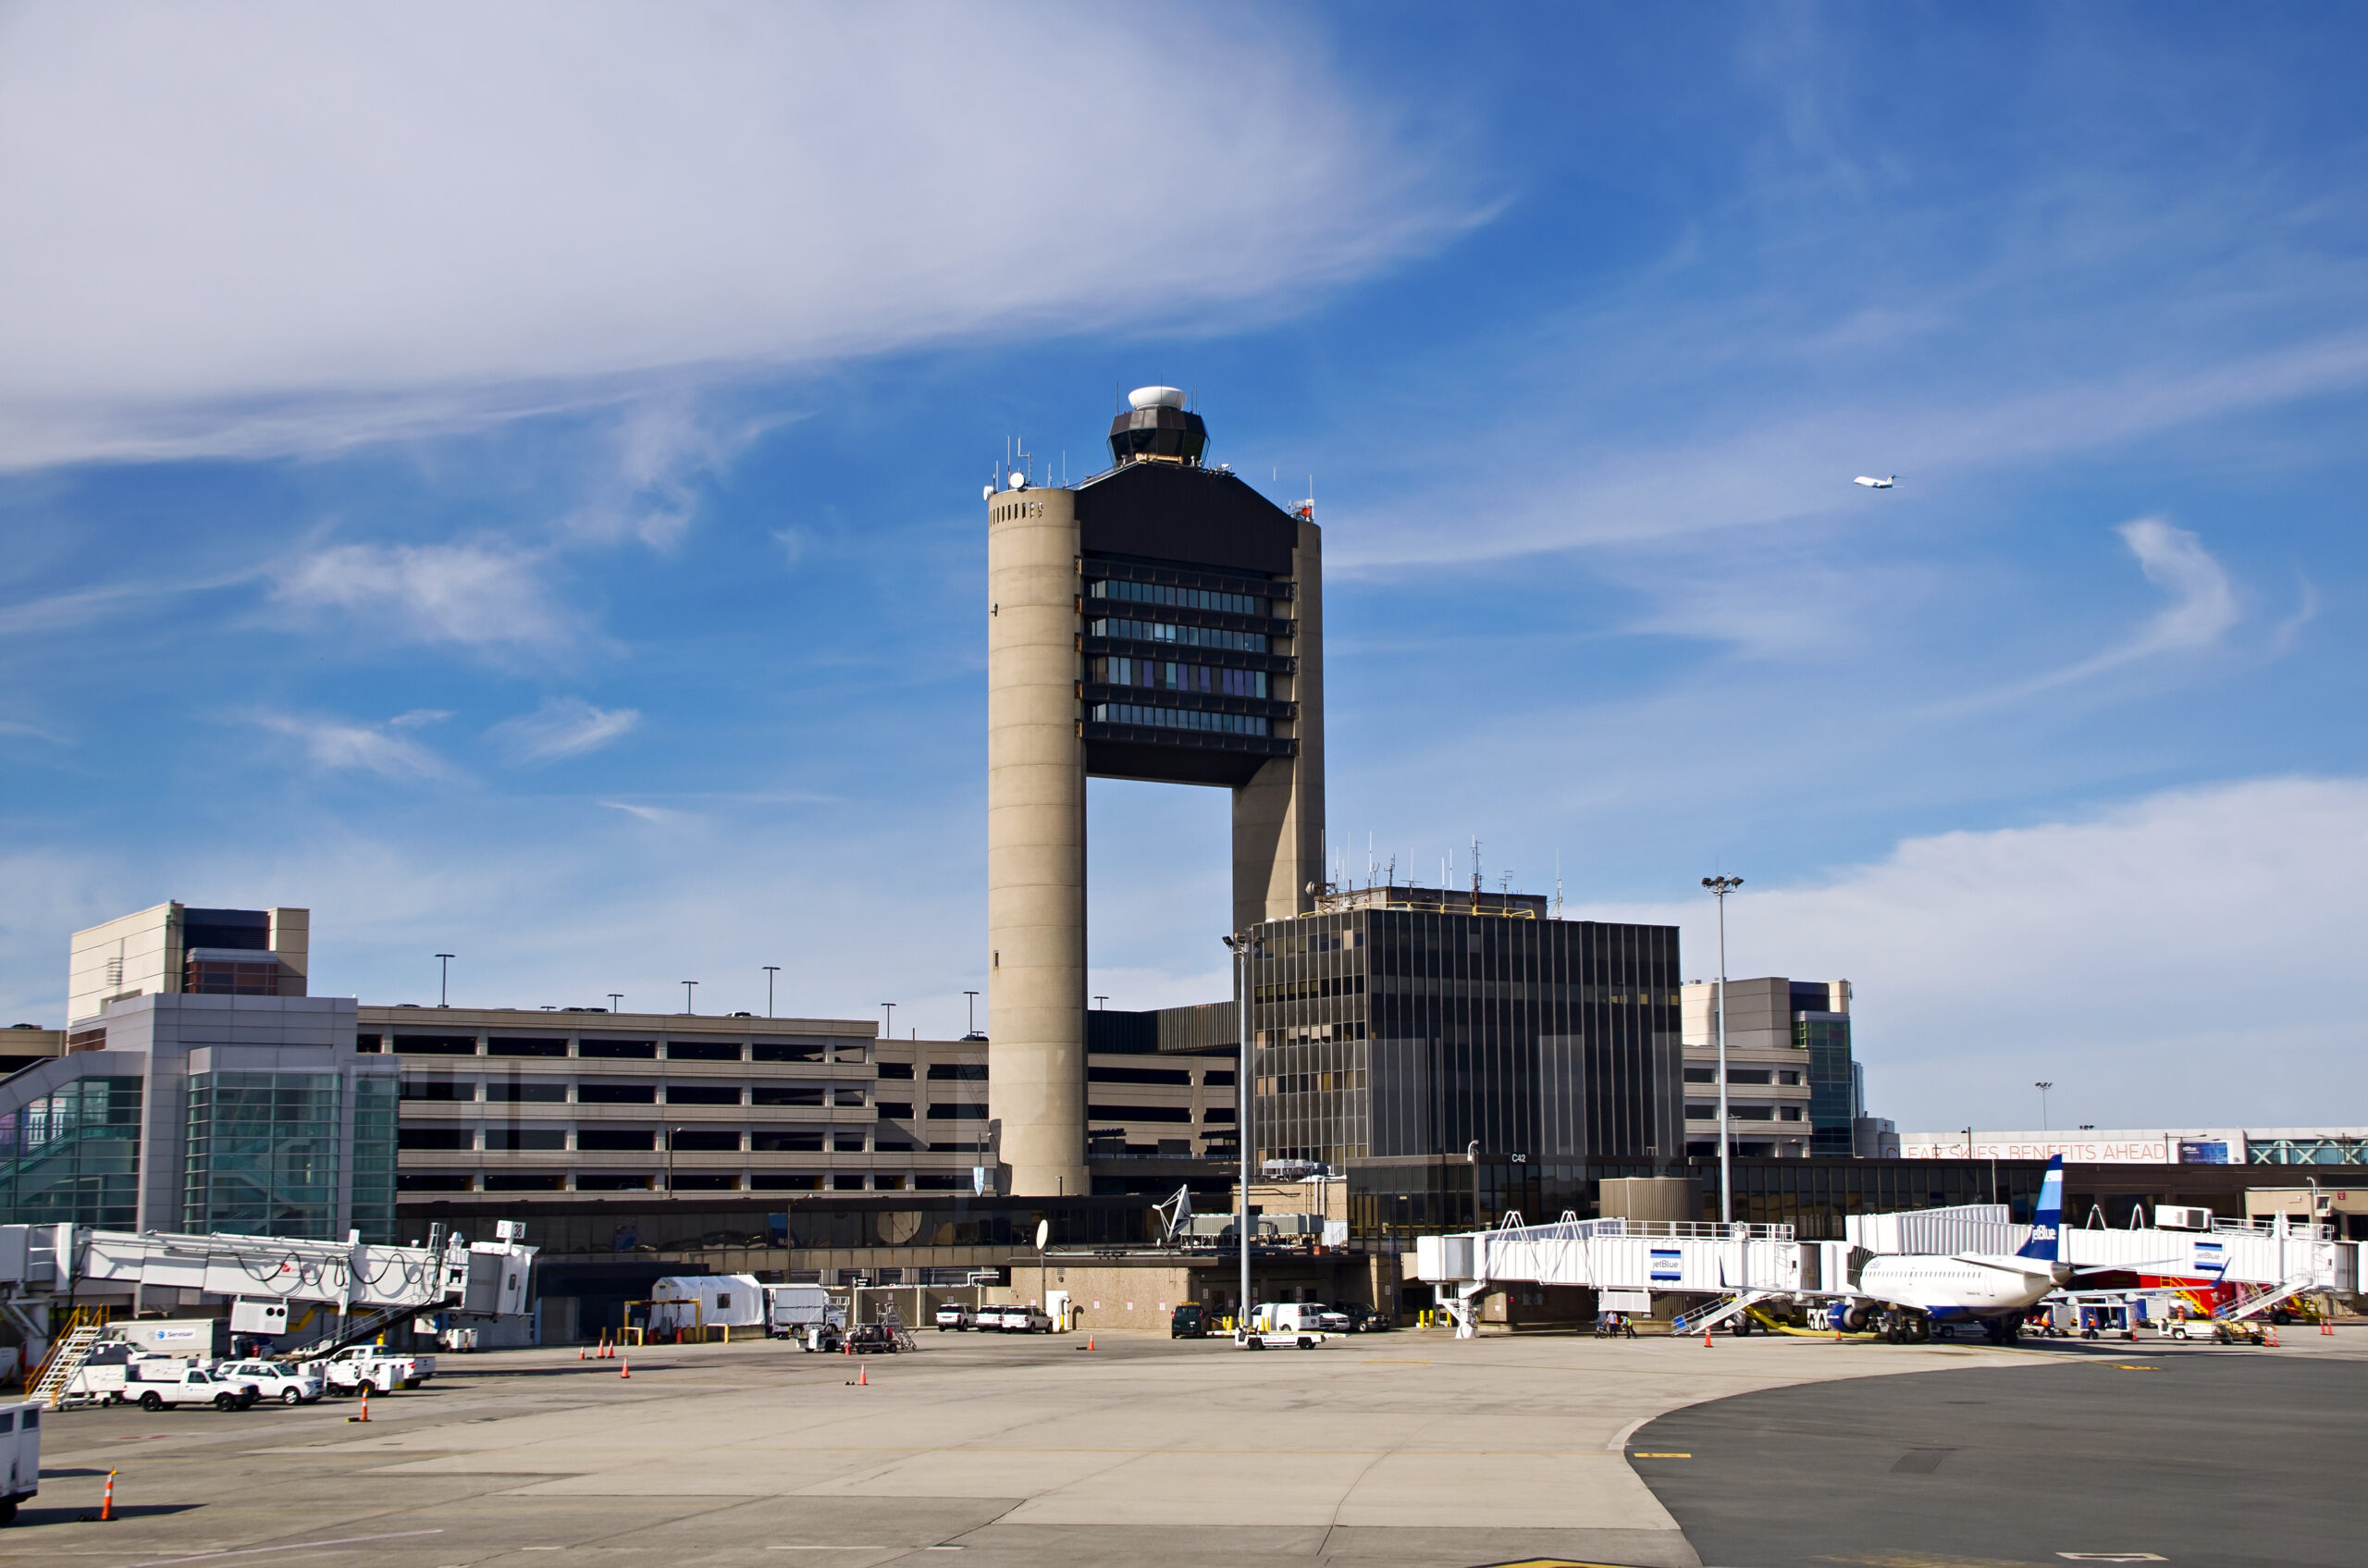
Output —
(251, 234)
(488, 596)
(342, 746)
(562, 726)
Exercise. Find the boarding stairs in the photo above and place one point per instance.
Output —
(1718, 1311)
(2263, 1299)
(66, 1358)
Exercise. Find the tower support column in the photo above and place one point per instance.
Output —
(1036, 979)
(1278, 814)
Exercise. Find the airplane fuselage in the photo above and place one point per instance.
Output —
(1957, 1288)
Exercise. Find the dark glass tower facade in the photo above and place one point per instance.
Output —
(1401, 1022)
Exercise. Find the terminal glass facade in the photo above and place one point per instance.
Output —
(1833, 1081)
(73, 1155)
(263, 1154)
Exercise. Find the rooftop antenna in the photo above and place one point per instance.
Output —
(1557, 884)
(1475, 875)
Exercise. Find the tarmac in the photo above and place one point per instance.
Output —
(1407, 1449)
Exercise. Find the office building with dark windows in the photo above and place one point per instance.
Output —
(1160, 621)
(1398, 1023)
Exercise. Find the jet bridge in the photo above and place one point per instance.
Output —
(1750, 1263)
(48, 1270)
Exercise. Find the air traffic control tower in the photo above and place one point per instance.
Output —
(1159, 620)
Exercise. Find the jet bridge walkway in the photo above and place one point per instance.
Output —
(1762, 1262)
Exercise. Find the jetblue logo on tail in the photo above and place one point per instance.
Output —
(2047, 1220)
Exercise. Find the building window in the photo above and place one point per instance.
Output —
(896, 1069)
(436, 1138)
(72, 1155)
(497, 1046)
(701, 1140)
(520, 1140)
(261, 1154)
(614, 1138)
(702, 1095)
(1182, 599)
(1176, 718)
(767, 1142)
(591, 1093)
(790, 1094)
(901, 1109)
(438, 1089)
(939, 1110)
(617, 1050)
(527, 1094)
(1183, 637)
(702, 1051)
(1163, 674)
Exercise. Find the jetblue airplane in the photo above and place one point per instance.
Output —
(1907, 1296)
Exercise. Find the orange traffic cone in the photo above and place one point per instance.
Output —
(1705, 1339)
(2273, 1334)
(625, 1368)
(1088, 1341)
(863, 1375)
(579, 1352)
(365, 1406)
(106, 1501)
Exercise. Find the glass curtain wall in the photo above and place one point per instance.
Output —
(262, 1155)
(375, 1119)
(73, 1155)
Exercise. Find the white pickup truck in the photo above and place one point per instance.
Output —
(21, 1441)
(196, 1385)
(346, 1372)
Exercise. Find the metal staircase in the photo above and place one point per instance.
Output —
(66, 1356)
(1718, 1311)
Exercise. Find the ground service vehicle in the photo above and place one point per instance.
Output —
(346, 1371)
(1291, 1317)
(873, 1338)
(197, 1386)
(20, 1441)
(1188, 1322)
(1271, 1339)
(277, 1379)
(791, 1310)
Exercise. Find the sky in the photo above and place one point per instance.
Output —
(508, 480)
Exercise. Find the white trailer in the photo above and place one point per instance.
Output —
(21, 1441)
(789, 1309)
(706, 1301)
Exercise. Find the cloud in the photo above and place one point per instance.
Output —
(562, 726)
(2166, 961)
(488, 596)
(339, 745)
(2201, 610)
(275, 228)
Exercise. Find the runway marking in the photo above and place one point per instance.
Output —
(1660, 1456)
(292, 1546)
(2117, 1366)
(1381, 1362)
(2111, 1557)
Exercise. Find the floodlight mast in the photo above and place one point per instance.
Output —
(1241, 1098)
(1719, 887)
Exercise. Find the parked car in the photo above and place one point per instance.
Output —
(196, 1385)
(1366, 1320)
(953, 1315)
(1016, 1317)
(277, 1379)
(1290, 1317)
(1189, 1321)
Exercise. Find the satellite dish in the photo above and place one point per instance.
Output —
(1043, 1233)
(1155, 397)
(986, 492)
(1018, 480)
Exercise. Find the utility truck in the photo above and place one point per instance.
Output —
(195, 1386)
(348, 1369)
(20, 1441)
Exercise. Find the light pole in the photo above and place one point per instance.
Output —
(1241, 1100)
(2043, 1088)
(770, 970)
(890, 1031)
(687, 997)
(1719, 887)
(616, 1001)
(1102, 1001)
(444, 981)
(973, 995)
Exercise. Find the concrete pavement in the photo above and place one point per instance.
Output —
(1401, 1449)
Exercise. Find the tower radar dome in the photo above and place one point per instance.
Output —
(1155, 396)
(1156, 425)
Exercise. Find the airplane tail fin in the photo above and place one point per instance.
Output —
(2047, 1220)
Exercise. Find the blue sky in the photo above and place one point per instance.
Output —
(511, 484)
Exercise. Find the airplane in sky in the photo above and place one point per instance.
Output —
(1907, 1296)
(1874, 484)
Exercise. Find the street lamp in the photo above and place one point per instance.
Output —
(973, 1033)
(444, 983)
(770, 970)
(890, 1031)
(1719, 887)
(616, 1001)
(2043, 1088)
(687, 997)
(1241, 1100)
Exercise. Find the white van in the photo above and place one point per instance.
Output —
(1299, 1317)
(791, 1309)
(20, 1443)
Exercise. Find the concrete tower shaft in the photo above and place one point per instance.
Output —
(1035, 841)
